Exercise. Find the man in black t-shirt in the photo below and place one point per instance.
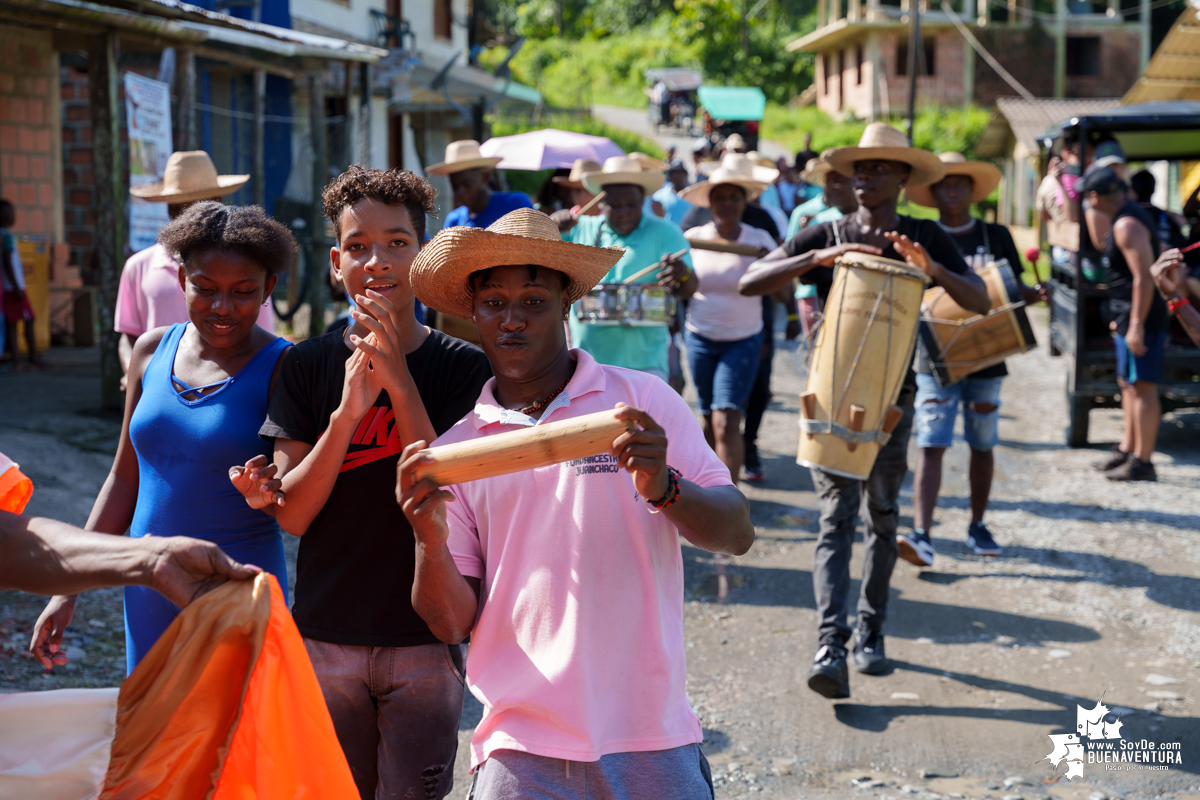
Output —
(881, 166)
(980, 242)
(343, 408)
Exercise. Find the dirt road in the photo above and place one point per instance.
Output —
(1097, 594)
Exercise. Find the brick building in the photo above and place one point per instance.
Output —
(863, 60)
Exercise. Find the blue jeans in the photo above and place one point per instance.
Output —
(937, 408)
(724, 372)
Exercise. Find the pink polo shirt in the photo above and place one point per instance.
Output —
(150, 297)
(578, 650)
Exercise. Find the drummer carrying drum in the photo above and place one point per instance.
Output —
(980, 243)
(882, 166)
(647, 241)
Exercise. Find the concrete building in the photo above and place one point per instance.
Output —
(862, 53)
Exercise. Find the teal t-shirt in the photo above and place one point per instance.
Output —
(632, 347)
(809, 208)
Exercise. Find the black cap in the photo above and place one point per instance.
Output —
(1101, 180)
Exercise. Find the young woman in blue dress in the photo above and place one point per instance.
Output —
(198, 393)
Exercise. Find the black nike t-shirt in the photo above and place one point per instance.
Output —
(354, 573)
(925, 231)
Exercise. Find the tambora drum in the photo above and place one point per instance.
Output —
(863, 349)
(961, 342)
(626, 304)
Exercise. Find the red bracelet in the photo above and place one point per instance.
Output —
(1175, 305)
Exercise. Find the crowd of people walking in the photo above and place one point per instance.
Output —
(567, 578)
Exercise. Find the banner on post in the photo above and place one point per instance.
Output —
(148, 112)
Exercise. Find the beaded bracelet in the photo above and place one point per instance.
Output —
(672, 494)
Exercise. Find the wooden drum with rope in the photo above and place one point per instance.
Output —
(863, 349)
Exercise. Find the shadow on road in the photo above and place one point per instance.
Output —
(1174, 591)
(1062, 716)
(1083, 512)
(907, 619)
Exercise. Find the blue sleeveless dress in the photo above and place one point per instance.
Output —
(184, 450)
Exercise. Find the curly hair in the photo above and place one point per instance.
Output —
(245, 230)
(393, 187)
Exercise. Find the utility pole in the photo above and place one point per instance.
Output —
(914, 43)
(1060, 48)
(104, 95)
(746, 28)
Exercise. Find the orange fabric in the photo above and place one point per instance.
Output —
(15, 488)
(226, 705)
(177, 711)
(285, 745)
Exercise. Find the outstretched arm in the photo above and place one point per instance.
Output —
(777, 269)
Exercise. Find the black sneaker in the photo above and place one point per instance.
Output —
(1115, 459)
(829, 676)
(915, 548)
(869, 657)
(1133, 470)
(979, 539)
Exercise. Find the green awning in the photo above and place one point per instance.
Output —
(519, 91)
(733, 102)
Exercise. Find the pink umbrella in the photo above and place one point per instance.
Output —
(548, 148)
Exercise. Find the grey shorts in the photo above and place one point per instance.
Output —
(681, 773)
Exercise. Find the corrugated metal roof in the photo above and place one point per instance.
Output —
(1029, 119)
(1174, 71)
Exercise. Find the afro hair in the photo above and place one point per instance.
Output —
(393, 187)
(245, 230)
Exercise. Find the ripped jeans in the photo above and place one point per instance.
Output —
(937, 408)
(396, 713)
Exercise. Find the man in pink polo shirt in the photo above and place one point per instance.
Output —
(568, 578)
(150, 295)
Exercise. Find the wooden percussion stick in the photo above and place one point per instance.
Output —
(724, 246)
(529, 448)
(641, 273)
(586, 207)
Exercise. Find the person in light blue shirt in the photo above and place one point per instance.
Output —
(674, 206)
(837, 198)
(470, 173)
(646, 240)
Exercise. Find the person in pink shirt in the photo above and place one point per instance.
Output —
(568, 578)
(150, 295)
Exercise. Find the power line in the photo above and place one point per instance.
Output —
(985, 55)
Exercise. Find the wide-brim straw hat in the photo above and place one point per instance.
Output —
(882, 142)
(815, 172)
(575, 179)
(741, 162)
(649, 163)
(736, 172)
(189, 175)
(985, 176)
(620, 170)
(440, 275)
(462, 156)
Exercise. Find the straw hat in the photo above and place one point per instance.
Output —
(738, 171)
(461, 156)
(986, 177)
(815, 172)
(622, 169)
(734, 142)
(575, 179)
(883, 142)
(189, 175)
(649, 163)
(440, 274)
(762, 160)
(741, 162)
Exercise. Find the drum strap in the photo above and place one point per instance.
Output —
(818, 426)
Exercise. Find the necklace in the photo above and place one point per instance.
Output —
(956, 229)
(537, 406)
